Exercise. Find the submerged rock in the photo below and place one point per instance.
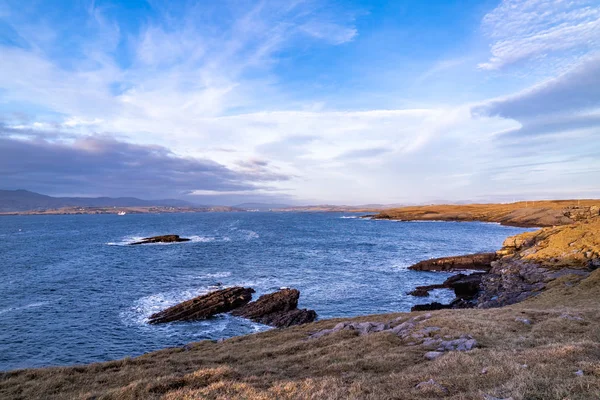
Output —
(161, 239)
(279, 309)
(205, 306)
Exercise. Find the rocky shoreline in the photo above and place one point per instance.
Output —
(525, 266)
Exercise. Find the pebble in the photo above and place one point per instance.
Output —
(579, 373)
(431, 384)
(432, 355)
(523, 320)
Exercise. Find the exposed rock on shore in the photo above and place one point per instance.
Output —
(526, 265)
(161, 239)
(479, 261)
(279, 309)
(205, 306)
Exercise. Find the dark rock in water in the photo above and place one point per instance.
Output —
(161, 239)
(429, 307)
(479, 261)
(205, 306)
(465, 286)
(279, 309)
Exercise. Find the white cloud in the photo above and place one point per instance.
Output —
(524, 30)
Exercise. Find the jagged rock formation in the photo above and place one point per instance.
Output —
(279, 309)
(532, 261)
(205, 306)
(479, 261)
(526, 265)
(161, 239)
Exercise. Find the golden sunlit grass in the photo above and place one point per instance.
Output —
(530, 213)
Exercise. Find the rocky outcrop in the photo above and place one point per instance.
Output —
(279, 309)
(161, 239)
(479, 261)
(205, 306)
(528, 263)
(466, 289)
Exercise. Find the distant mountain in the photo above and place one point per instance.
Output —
(24, 200)
(261, 206)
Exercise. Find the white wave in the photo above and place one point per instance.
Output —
(26, 306)
(142, 309)
(349, 217)
(201, 239)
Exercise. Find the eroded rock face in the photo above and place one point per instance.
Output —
(479, 261)
(161, 239)
(205, 306)
(279, 309)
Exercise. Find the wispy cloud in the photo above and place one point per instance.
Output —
(524, 30)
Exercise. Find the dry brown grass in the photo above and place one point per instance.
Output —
(284, 364)
(531, 213)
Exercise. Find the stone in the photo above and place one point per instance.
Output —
(431, 384)
(205, 306)
(432, 355)
(571, 317)
(429, 307)
(161, 239)
(523, 320)
(479, 261)
(579, 373)
(279, 309)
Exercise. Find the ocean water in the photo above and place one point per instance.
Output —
(72, 291)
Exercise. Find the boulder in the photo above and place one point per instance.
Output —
(279, 309)
(161, 239)
(205, 306)
(479, 261)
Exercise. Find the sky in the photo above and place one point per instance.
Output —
(301, 101)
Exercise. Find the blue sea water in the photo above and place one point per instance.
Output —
(72, 291)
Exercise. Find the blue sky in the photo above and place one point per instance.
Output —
(302, 101)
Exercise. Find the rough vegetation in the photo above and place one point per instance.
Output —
(546, 346)
(526, 214)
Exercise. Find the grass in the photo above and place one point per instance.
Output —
(530, 213)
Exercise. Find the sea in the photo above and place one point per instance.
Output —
(72, 290)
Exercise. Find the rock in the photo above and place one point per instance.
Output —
(479, 261)
(484, 371)
(431, 385)
(429, 307)
(279, 309)
(571, 317)
(488, 397)
(579, 373)
(205, 306)
(432, 355)
(161, 239)
(420, 291)
(523, 320)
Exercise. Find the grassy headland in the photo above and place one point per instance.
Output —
(524, 213)
(546, 347)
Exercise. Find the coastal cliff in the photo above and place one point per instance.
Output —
(533, 334)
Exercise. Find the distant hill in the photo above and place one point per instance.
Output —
(24, 200)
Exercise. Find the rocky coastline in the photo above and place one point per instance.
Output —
(525, 266)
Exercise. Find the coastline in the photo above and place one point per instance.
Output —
(509, 335)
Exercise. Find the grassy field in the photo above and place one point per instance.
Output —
(530, 213)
